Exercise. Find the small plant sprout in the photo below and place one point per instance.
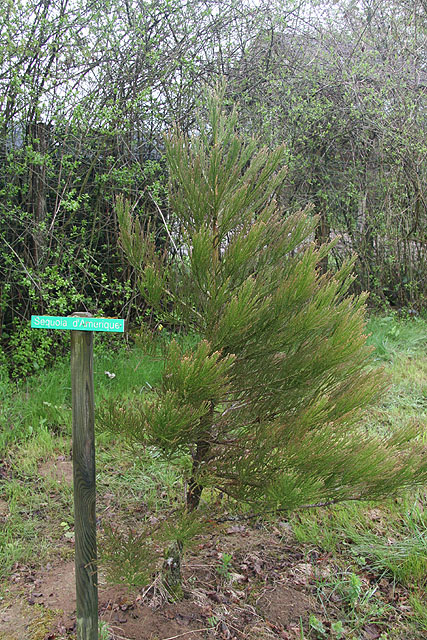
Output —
(212, 622)
(224, 568)
(104, 631)
(317, 626)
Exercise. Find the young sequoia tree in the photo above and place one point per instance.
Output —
(267, 407)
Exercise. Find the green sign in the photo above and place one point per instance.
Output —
(75, 323)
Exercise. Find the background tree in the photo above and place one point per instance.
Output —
(344, 86)
(87, 89)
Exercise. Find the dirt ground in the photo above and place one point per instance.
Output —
(265, 595)
(265, 590)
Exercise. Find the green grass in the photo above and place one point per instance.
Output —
(367, 545)
(375, 548)
(35, 427)
(44, 401)
(395, 336)
(401, 348)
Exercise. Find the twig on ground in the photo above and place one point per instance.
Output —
(185, 633)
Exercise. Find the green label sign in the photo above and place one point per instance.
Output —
(75, 323)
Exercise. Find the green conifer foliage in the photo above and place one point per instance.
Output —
(268, 406)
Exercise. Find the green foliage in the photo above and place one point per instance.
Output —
(128, 558)
(182, 527)
(406, 560)
(41, 403)
(354, 124)
(268, 407)
(31, 350)
(104, 631)
(135, 483)
(392, 334)
(317, 626)
(176, 414)
(391, 542)
(419, 607)
(132, 557)
(224, 568)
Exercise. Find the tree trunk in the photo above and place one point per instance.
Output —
(322, 234)
(38, 138)
(195, 489)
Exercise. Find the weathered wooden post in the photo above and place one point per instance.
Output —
(83, 406)
(82, 326)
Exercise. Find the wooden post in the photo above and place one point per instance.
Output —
(84, 482)
(83, 457)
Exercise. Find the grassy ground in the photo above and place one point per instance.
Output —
(366, 565)
(378, 548)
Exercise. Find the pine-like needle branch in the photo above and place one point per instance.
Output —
(268, 407)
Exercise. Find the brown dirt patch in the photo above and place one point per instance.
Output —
(60, 470)
(14, 620)
(52, 592)
(143, 623)
(255, 600)
(284, 605)
(55, 588)
(4, 510)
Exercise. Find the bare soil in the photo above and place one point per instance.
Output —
(256, 600)
(60, 470)
(266, 590)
